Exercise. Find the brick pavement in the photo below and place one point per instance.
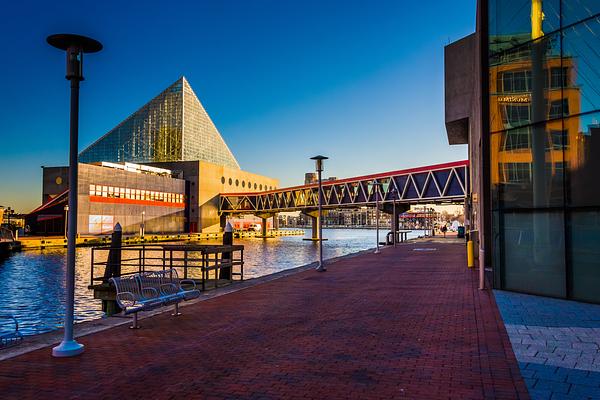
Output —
(402, 324)
(557, 344)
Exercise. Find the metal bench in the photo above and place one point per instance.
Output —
(170, 288)
(149, 290)
(11, 335)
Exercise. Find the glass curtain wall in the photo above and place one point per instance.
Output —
(544, 99)
(153, 133)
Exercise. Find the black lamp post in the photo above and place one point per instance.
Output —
(376, 187)
(75, 46)
(319, 167)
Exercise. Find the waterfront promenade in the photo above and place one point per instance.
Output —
(407, 323)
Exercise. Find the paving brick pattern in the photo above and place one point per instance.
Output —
(402, 324)
(557, 344)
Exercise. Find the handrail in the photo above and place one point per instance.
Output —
(13, 337)
(207, 259)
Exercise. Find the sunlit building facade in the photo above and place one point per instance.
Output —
(172, 132)
(532, 122)
(138, 197)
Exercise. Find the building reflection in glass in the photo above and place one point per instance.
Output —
(544, 99)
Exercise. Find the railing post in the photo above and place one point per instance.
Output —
(242, 263)
(226, 273)
(185, 258)
(203, 271)
(92, 268)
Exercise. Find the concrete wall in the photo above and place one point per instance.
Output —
(463, 109)
(158, 218)
(55, 180)
(206, 181)
(215, 179)
(460, 59)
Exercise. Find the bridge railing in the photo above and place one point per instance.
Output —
(435, 183)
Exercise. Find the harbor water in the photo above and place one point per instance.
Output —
(32, 283)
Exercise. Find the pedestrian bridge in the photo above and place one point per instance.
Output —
(441, 183)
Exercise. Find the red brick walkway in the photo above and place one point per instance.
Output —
(401, 324)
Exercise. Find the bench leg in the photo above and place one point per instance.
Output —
(176, 312)
(135, 325)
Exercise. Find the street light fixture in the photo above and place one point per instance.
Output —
(319, 167)
(376, 184)
(75, 46)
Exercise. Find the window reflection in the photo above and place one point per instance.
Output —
(134, 194)
(544, 99)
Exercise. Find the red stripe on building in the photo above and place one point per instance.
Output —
(116, 200)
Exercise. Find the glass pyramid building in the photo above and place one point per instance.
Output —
(171, 127)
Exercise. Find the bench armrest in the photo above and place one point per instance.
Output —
(187, 281)
(13, 319)
(126, 299)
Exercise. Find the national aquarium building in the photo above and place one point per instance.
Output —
(160, 170)
(523, 92)
(171, 127)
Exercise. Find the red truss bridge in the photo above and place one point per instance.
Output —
(441, 183)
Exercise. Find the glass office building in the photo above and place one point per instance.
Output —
(523, 92)
(171, 127)
(544, 127)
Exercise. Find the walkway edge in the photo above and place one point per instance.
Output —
(37, 342)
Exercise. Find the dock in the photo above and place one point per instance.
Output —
(44, 242)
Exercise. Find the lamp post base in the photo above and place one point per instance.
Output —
(376, 251)
(321, 268)
(68, 349)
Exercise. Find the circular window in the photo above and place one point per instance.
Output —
(223, 180)
(58, 180)
(237, 182)
(243, 183)
(255, 186)
(260, 187)
(230, 182)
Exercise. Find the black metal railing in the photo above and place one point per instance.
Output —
(202, 263)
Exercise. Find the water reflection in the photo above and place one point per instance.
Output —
(32, 282)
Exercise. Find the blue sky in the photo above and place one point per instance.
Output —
(360, 82)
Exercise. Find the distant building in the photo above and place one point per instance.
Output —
(171, 133)
(310, 178)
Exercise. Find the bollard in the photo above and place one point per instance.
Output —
(226, 258)
(113, 268)
(470, 256)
